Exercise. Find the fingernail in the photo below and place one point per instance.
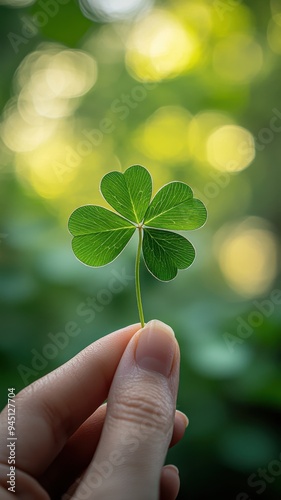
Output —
(156, 348)
(172, 467)
(183, 418)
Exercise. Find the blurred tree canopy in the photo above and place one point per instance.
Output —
(191, 90)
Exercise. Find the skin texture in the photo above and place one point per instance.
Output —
(72, 446)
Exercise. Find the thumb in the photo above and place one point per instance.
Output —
(139, 421)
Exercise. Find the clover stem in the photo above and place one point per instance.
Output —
(137, 270)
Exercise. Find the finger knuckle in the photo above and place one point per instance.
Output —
(147, 407)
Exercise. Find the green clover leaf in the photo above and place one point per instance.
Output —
(165, 252)
(128, 193)
(100, 235)
(174, 207)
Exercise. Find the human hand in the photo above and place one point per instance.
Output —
(67, 440)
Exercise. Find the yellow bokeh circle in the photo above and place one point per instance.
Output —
(247, 255)
(164, 136)
(160, 47)
(231, 148)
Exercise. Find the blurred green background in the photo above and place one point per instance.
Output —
(191, 90)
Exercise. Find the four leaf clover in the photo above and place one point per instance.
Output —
(100, 235)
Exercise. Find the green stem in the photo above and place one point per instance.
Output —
(138, 292)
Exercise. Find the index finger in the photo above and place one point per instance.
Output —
(52, 408)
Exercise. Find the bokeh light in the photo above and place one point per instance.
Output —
(231, 148)
(201, 127)
(49, 84)
(56, 170)
(160, 47)
(237, 58)
(229, 18)
(247, 254)
(213, 360)
(164, 136)
(52, 78)
(21, 136)
(195, 16)
(110, 10)
(46, 168)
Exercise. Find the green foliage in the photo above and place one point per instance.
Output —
(100, 235)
